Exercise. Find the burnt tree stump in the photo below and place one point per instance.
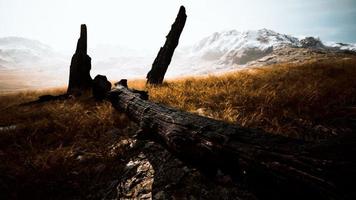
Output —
(164, 57)
(80, 80)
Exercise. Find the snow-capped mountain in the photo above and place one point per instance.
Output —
(231, 42)
(219, 52)
(27, 63)
(229, 50)
(342, 46)
(17, 52)
(232, 49)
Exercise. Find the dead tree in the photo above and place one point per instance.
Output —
(271, 166)
(164, 57)
(80, 80)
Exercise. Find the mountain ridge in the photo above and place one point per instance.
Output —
(20, 52)
(217, 53)
(233, 45)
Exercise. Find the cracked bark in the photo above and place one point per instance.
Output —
(80, 80)
(261, 160)
(164, 57)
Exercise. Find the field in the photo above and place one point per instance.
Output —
(63, 149)
(310, 101)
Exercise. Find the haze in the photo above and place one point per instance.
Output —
(144, 24)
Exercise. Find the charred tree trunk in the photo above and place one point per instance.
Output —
(271, 166)
(80, 80)
(164, 57)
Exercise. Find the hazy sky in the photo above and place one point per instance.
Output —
(143, 24)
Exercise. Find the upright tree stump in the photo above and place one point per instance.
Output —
(164, 57)
(80, 80)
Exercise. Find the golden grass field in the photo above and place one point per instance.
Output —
(310, 101)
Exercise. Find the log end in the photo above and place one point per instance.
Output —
(122, 82)
(101, 86)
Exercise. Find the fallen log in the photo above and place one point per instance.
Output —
(270, 166)
(164, 56)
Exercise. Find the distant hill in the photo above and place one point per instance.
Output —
(217, 53)
(240, 47)
(17, 52)
(27, 63)
(233, 49)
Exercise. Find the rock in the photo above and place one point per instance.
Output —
(160, 195)
(247, 55)
(153, 172)
(101, 86)
(8, 128)
(80, 80)
(138, 180)
(121, 146)
(311, 42)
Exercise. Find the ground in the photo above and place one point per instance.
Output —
(83, 149)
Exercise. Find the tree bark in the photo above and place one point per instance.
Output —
(80, 80)
(164, 57)
(271, 166)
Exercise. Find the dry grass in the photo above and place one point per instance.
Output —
(61, 149)
(58, 149)
(311, 101)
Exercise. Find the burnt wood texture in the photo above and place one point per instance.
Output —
(271, 166)
(80, 80)
(164, 57)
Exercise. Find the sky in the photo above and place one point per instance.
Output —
(143, 24)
